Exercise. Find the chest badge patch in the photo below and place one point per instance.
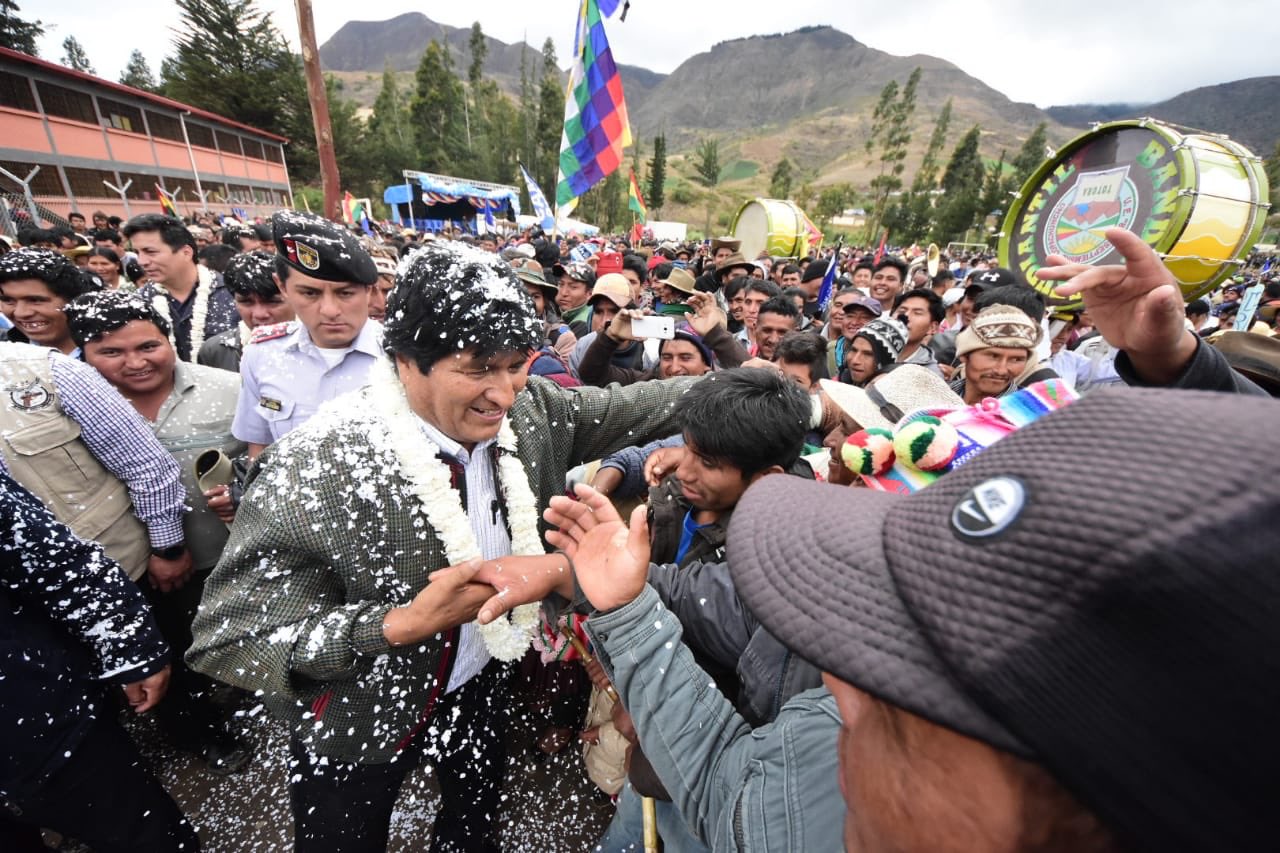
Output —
(268, 403)
(29, 397)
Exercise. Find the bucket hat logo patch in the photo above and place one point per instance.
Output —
(988, 508)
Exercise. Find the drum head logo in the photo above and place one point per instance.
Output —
(29, 397)
(1097, 201)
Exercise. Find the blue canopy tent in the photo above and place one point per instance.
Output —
(429, 202)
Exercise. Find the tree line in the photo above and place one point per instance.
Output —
(942, 203)
(228, 57)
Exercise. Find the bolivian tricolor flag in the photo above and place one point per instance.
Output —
(636, 201)
(166, 203)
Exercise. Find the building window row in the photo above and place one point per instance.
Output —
(15, 93)
(89, 183)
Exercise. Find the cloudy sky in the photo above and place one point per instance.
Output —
(1045, 53)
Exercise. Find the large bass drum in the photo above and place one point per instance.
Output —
(1200, 200)
(771, 225)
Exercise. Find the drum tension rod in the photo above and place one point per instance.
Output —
(1198, 194)
(1183, 146)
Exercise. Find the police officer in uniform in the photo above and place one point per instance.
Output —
(290, 369)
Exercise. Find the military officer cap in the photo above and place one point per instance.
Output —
(324, 250)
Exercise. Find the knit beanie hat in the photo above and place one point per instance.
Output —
(887, 337)
(998, 326)
(685, 332)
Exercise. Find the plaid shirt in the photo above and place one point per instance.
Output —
(120, 439)
(328, 539)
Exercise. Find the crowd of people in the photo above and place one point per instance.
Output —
(849, 551)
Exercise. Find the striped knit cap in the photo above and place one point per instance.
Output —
(887, 337)
(998, 326)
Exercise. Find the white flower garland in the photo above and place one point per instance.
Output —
(199, 311)
(431, 482)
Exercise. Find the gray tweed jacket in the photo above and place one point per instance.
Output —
(327, 540)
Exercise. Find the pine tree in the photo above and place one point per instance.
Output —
(995, 191)
(550, 124)
(527, 119)
(637, 159)
(436, 110)
(782, 179)
(913, 217)
(881, 115)
(707, 162)
(138, 73)
(74, 57)
(605, 203)
(473, 109)
(655, 191)
(359, 171)
(892, 124)
(962, 187)
(1029, 157)
(502, 149)
(230, 59)
(17, 34)
(390, 140)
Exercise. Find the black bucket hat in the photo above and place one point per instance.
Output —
(1120, 631)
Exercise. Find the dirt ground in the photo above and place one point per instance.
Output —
(549, 804)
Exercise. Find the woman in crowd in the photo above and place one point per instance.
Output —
(106, 265)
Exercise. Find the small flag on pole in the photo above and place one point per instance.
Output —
(829, 280)
(880, 251)
(540, 207)
(595, 113)
(636, 201)
(348, 208)
(166, 203)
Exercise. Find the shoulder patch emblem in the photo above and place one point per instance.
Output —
(270, 333)
(29, 397)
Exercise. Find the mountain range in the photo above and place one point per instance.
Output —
(807, 95)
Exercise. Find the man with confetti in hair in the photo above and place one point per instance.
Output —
(330, 597)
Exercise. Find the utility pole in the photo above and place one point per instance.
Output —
(329, 180)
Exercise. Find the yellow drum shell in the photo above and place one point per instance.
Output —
(771, 225)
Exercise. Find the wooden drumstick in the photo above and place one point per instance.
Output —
(649, 807)
(581, 648)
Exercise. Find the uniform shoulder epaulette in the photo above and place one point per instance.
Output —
(270, 333)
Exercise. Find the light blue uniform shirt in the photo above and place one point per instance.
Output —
(284, 380)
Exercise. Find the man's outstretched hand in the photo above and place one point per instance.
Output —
(611, 562)
(1135, 306)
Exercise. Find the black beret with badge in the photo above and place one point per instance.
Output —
(321, 249)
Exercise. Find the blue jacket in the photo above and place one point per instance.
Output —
(771, 788)
(71, 623)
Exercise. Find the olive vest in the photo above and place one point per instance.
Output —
(41, 445)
